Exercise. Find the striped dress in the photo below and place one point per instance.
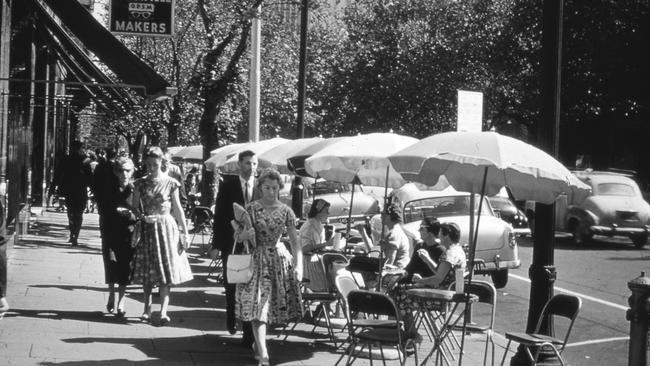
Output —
(158, 257)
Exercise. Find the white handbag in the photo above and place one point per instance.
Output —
(239, 268)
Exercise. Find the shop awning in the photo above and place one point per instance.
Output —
(110, 51)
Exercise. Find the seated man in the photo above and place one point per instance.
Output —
(395, 245)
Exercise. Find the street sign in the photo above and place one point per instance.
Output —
(470, 111)
(148, 18)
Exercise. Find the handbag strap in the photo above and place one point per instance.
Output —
(246, 248)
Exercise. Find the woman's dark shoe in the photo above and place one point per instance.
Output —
(264, 361)
(110, 307)
(164, 320)
(121, 313)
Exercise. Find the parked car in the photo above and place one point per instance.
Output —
(365, 203)
(504, 207)
(497, 249)
(615, 207)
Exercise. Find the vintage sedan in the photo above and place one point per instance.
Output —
(497, 249)
(615, 208)
(365, 202)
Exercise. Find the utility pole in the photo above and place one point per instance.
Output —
(542, 270)
(297, 185)
(254, 78)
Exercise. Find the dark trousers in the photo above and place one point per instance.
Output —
(3, 269)
(231, 291)
(75, 207)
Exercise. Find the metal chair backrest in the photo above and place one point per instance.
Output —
(567, 306)
(202, 216)
(371, 302)
(486, 294)
(345, 285)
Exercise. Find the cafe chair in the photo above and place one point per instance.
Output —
(561, 305)
(202, 218)
(487, 296)
(377, 304)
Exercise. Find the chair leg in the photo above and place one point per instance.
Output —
(505, 353)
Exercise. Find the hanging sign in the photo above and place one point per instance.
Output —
(470, 111)
(153, 18)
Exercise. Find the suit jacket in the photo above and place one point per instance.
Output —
(230, 191)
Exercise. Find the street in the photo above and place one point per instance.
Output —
(597, 272)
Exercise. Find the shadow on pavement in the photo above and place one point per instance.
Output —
(92, 316)
(204, 349)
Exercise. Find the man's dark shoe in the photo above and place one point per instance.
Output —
(232, 326)
(74, 242)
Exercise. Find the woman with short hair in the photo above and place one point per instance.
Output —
(312, 239)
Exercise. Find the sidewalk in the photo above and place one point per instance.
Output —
(58, 297)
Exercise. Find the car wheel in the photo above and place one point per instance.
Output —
(580, 234)
(639, 240)
(500, 278)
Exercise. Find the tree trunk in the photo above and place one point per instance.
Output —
(174, 122)
(210, 141)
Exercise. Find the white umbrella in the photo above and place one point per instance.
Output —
(363, 157)
(192, 153)
(174, 149)
(296, 162)
(277, 156)
(465, 157)
(231, 164)
(219, 156)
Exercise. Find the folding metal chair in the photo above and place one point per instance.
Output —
(202, 218)
(378, 304)
(567, 306)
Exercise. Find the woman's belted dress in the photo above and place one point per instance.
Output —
(273, 294)
(158, 257)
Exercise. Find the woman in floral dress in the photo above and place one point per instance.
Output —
(272, 296)
(160, 257)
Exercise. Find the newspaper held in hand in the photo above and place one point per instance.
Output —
(242, 222)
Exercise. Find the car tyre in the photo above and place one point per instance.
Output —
(580, 234)
(639, 240)
(500, 278)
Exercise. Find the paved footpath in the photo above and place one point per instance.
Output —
(58, 297)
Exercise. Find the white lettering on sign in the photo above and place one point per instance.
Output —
(144, 27)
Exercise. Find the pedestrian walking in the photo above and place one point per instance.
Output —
(242, 190)
(71, 180)
(272, 296)
(119, 221)
(160, 257)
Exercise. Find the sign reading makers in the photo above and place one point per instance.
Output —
(153, 18)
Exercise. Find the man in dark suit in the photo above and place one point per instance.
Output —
(71, 178)
(241, 189)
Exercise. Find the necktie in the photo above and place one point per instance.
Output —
(247, 196)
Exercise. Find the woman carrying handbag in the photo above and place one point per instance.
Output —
(272, 296)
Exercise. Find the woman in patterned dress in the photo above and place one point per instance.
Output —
(272, 296)
(160, 257)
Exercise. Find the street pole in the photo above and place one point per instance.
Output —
(297, 186)
(254, 81)
(542, 270)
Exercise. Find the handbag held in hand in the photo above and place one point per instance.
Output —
(239, 267)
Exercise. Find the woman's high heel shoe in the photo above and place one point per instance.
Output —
(264, 361)
(145, 318)
(110, 307)
(164, 320)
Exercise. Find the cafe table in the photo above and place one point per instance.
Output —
(446, 317)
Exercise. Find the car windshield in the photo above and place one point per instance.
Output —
(499, 203)
(441, 207)
(615, 189)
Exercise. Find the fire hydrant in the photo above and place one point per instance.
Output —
(638, 316)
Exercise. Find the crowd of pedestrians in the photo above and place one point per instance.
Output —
(145, 237)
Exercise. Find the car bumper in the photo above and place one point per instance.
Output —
(619, 231)
(487, 267)
(524, 231)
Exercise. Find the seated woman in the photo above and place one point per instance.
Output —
(453, 258)
(427, 253)
(312, 239)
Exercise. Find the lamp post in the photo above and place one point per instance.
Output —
(542, 270)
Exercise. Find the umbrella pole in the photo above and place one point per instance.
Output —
(383, 232)
(472, 253)
(347, 234)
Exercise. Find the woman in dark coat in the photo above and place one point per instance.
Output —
(119, 220)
